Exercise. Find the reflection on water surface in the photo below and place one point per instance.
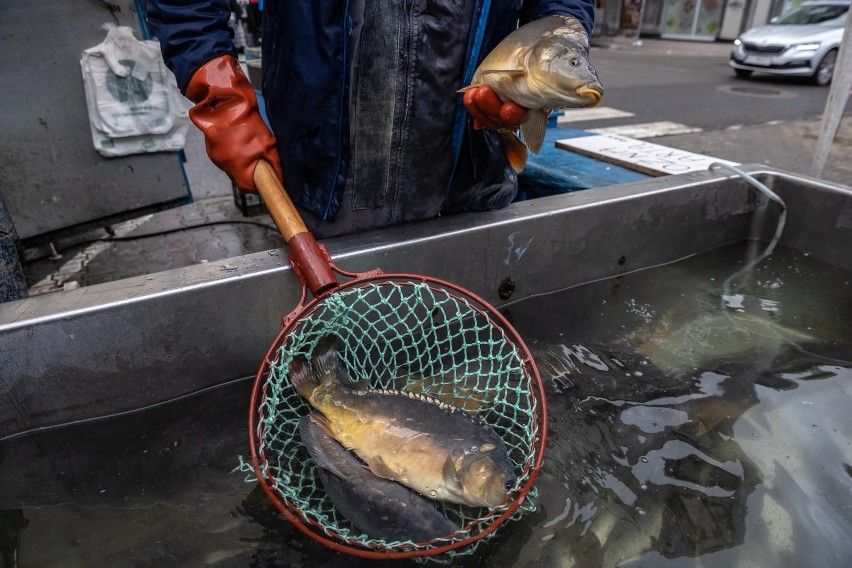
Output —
(687, 428)
(695, 428)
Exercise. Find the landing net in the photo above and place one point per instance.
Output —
(420, 335)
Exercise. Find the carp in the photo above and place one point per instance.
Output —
(428, 445)
(380, 508)
(542, 65)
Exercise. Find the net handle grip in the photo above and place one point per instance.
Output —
(310, 261)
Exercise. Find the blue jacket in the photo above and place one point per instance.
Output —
(361, 95)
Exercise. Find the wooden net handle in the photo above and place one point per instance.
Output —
(310, 261)
(280, 207)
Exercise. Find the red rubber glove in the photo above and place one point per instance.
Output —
(488, 111)
(226, 112)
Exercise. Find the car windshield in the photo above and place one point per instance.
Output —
(822, 14)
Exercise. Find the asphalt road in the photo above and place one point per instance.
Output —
(700, 90)
(763, 119)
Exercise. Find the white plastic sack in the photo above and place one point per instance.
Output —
(133, 101)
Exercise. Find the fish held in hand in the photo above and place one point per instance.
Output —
(379, 508)
(426, 444)
(543, 65)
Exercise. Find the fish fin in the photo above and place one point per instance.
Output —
(534, 128)
(411, 382)
(701, 428)
(325, 364)
(416, 395)
(510, 72)
(514, 72)
(361, 385)
(302, 377)
(323, 423)
(514, 148)
(380, 469)
(451, 469)
(310, 427)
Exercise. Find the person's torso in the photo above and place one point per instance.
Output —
(362, 96)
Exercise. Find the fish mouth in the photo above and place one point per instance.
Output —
(592, 93)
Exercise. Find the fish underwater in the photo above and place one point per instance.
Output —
(380, 508)
(542, 66)
(704, 340)
(426, 444)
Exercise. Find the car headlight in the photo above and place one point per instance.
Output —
(806, 47)
(738, 41)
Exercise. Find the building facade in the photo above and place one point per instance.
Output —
(697, 20)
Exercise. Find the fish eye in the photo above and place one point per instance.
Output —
(575, 61)
(509, 485)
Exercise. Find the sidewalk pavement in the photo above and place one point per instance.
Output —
(214, 228)
(715, 49)
(768, 144)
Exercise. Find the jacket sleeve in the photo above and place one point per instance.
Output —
(583, 10)
(191, 33)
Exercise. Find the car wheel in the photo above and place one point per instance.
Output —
(743, 73)
(825, 69)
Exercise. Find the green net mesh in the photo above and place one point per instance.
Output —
(407, 335)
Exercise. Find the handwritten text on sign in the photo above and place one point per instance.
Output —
(645, 157)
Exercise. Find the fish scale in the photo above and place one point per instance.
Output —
(420, 441)
(378, 507)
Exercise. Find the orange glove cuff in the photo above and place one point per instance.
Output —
(226, 112)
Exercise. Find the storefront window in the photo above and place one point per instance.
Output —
(692, 19)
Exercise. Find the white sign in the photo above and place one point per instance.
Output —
(594, 113)
(645, 157)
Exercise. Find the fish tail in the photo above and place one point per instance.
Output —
(515, 149)
(302, 377)
(325, 363)
(322, 372)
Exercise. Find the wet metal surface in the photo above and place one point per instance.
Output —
(130, 343)
(53, 178)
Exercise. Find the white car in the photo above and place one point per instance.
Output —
(801, 43)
